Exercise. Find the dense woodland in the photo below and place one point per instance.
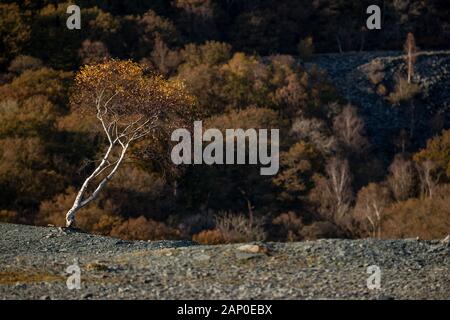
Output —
(243, 65)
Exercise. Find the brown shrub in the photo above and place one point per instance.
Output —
(103, 220)
(194, 224)
(142, 228)
(92, 52)
(238, 228)
(91, 218)
(381, 90)
(26, 173)
(375, 71)
(321, 230)
(8, 216)
(306, 48)
(427, 218)
(232, 229)
(43, 82)
(403, 91)
(23, 62)
(214, 236)
(437, 151)
(289, 226)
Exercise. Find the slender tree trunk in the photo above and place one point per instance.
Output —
(372, 224)
(338, 40)
(409, 66)
(363, 40)
(249, 206)
(79, 201)
(250, 212)
(378, 226)
(413, 119)
(410, 62)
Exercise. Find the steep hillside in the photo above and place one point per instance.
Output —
(355, 75)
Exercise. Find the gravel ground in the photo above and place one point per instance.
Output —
(33, 262)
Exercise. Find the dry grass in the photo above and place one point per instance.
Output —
(232, 228)
(13, 277)
(95, 266)
(238, 228)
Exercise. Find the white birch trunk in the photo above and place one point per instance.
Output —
(79, 201)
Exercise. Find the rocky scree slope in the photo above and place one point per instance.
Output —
(353, 75)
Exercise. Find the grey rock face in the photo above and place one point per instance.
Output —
(349, 72)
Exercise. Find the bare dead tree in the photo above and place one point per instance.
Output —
(250, 206)
(339, 44)
(128, 107)
(165, 59)
(92, 52)
(349, 128)
(410, 54)
(401, 178)
(369, 210)
(363, 32)
(339, 186)
(429, 178)
(315, 131)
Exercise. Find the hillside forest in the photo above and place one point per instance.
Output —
(366, 155)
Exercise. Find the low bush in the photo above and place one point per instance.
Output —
(321, 230)
(209, 237)
(427, 218)
(238, 228)
(306, 48)
(91, 218)
(142, 228)
(232, 228)
(8, 216)
(375, 71)
(288, 227)
(403, 91)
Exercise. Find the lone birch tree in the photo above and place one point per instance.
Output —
(129, 106)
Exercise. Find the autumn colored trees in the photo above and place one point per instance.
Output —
(14, 32)
(131, 30)
(406, 196)
(85, 119)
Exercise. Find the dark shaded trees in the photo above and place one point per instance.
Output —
(14, 32)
